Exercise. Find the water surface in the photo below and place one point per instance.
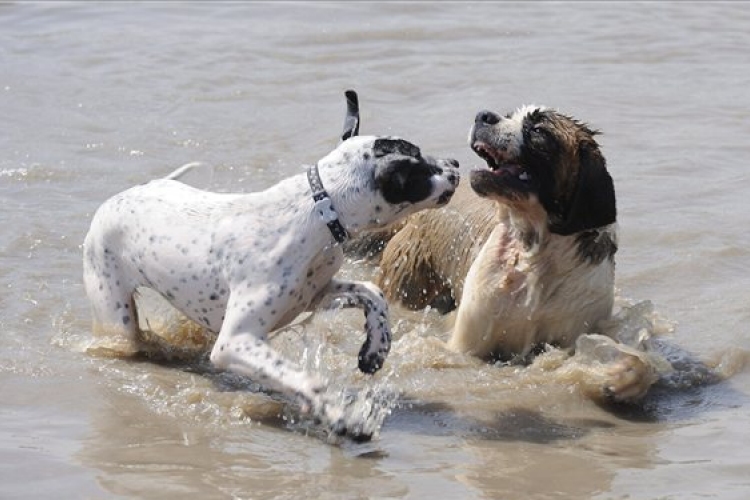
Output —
(97, 97)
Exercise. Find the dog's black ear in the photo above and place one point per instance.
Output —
(391, 179)
(351, 121)
(593, 204)
(403, 181)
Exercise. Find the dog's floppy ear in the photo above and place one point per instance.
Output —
(392, 180)
(400, 181)
(593, 204)
(351, 121)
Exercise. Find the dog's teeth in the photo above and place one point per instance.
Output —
(523, 177)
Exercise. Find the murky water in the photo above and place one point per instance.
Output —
(97, 97)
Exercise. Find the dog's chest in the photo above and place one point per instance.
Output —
(562, 295)
(544, 280)
(501, 267)
(512, 264)
(304, 289)
(516, 297)
(277, 276)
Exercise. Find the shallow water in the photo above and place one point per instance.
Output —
(98, 97)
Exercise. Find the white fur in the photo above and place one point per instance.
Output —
(244, 265)
(510, 130)
(528, 286)
(516, 298)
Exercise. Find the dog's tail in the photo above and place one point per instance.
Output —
(178, 173)
(200, 175)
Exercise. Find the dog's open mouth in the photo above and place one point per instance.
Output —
(499, 164)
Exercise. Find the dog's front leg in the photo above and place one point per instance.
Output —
(369, 297)
(248, 354)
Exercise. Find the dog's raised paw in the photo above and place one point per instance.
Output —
(371, 362)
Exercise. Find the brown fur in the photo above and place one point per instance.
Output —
(528, 256)
(429, 257)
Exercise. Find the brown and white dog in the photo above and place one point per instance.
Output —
(530, 260)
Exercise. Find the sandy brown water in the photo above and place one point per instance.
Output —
(96, 97)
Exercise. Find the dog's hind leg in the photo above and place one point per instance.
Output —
(115, 320)
(369, 297)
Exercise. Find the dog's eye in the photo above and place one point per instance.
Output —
(537, 133)
(541, 133)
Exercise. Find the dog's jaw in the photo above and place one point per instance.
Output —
(499, 142)
(537, 156)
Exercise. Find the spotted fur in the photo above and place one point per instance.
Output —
(244, 265)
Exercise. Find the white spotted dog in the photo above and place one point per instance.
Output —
(244, 265)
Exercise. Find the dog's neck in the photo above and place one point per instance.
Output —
(348, 191)
(536, 239)
(324, 205)
(530, 229)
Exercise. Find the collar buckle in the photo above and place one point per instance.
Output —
(324, 205)
(325, 209)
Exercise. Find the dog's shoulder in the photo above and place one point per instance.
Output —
(594, 246)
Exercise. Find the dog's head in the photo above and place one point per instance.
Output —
(376, 181)
(543, 162)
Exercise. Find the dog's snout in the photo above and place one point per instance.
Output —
(487, 118)
(451, 173)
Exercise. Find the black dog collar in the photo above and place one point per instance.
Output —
(323, 205)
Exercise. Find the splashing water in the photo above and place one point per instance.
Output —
(419, 370)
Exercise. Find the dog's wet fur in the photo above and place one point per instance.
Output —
(527, 255)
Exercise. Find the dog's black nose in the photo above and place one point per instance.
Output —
(487, 118)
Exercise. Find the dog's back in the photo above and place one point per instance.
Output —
(426, 262)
